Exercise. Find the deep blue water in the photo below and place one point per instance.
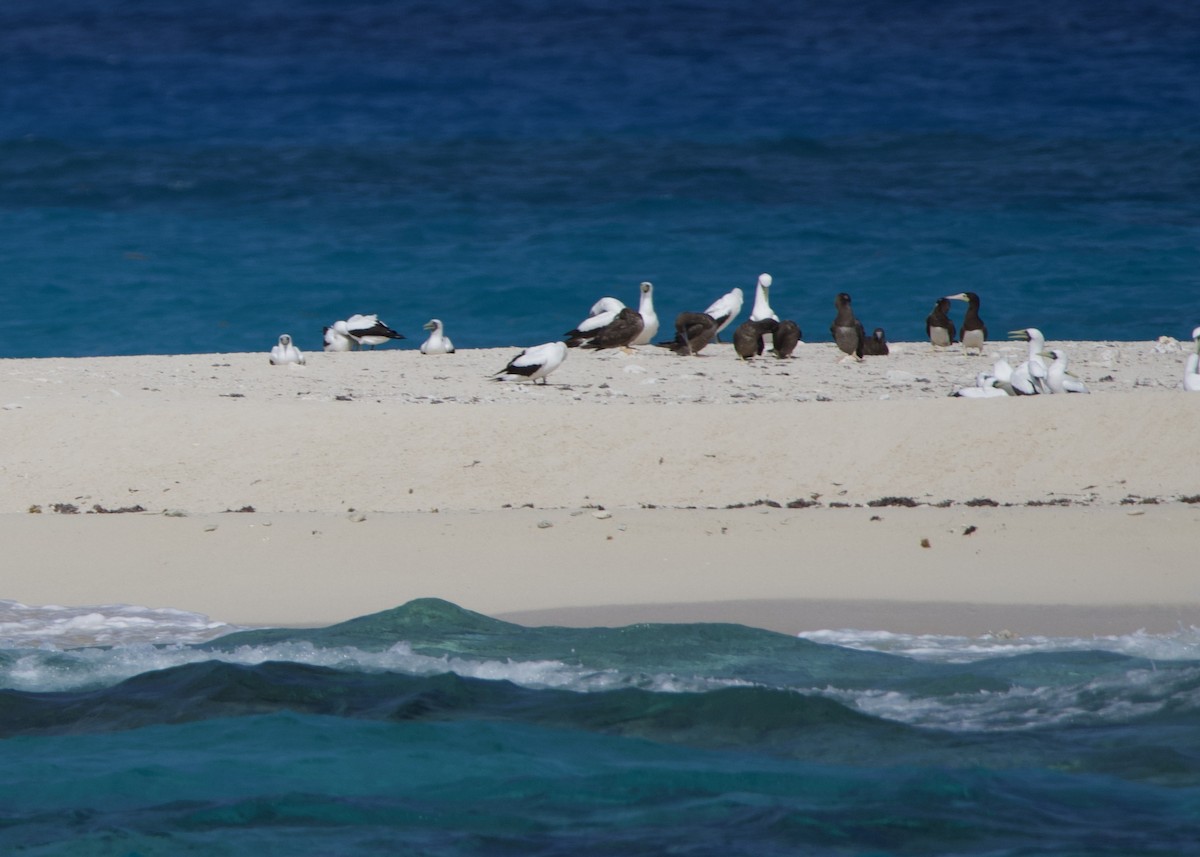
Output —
(429, 729)
(202, 175)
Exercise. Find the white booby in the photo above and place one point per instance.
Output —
(1191, 369)
(606, 304)
(367, 330)
(534, 363)
(974, 331)
(762, 301)
(285, 352)
(438, 342)
(846, 330)
(725, 309)
(1002, 374)
(986, 387)
(336, 340)
(1033, 372)
(938, 326)
(649, 316)
(876, 344)
(1058, 378)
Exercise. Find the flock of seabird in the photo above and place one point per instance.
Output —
(611, 324)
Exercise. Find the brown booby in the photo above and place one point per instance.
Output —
(785, 339)
(748, 338)
(876, 344)
(611, 329)
(693, 331)
(974, 331)
(534, 363)
(847, 331)
(938, 326)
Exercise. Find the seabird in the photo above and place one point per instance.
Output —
(533, 363)
(335, 340)
(1191, 369)
(438, 342)
(974, 331)
(285, 352)
(986, 387)
(590, 326)
(1057, 376)
(724, 310)
(649, 316)
(938, 326)
(606, 304)
(847, 331)
(625, 327)
(1033, 372)
(762, 303)
(748, 338)
(876, 345)
(367, 330)
(785, 339)
(693, 331)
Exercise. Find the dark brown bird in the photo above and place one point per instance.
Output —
(618, 333)
(876, 345)
(748, 338)
(938, 326)
(847, 330)
(785, 339)
(974, 331)
(693, 331)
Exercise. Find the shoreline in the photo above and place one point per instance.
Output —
(608, 496)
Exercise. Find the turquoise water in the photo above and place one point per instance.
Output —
(202, 175)
(431, 729)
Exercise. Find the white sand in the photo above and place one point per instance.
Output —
(381, 476)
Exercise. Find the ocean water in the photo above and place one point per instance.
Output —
(202, 175)
(429, 729)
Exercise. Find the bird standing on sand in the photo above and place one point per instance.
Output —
(649, 316)
(876, 344)
(723, 310)
(1191, 369)
(748, 338)
(974, 331)
(762, 300)
(1030, 377)
(693, 331)
(611, 328)
(785, 339)
(285, 352)
(847, 331)
(534, 363)
(938, 326)
(438, 342)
